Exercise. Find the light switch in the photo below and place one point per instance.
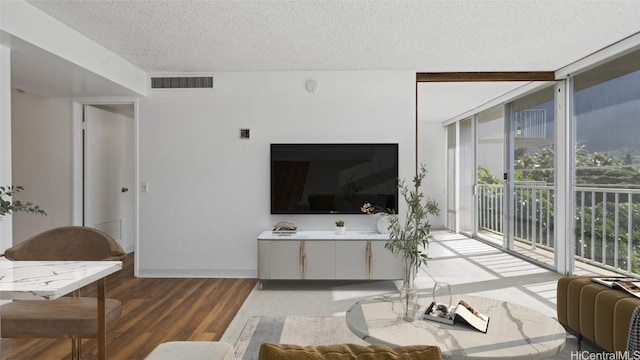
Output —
(144, 187)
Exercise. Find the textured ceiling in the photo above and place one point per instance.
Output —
(429, 36)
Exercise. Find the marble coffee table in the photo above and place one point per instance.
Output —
(515, 332)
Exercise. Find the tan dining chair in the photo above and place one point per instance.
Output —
(73, 317)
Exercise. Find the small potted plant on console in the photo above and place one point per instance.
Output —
(340, 228)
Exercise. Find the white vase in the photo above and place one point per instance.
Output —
(341, 230)
(380, 223)
(383, 224)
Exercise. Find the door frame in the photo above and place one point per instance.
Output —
(77, 192)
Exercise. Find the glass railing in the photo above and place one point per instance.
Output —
(607, 227)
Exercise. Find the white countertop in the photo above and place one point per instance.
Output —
(325, 235)
(45, 280)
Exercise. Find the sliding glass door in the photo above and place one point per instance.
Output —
(532, 180)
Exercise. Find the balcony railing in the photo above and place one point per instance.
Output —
(607, 227)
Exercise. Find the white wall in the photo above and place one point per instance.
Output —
(209, 190)
(209, 194)
(434, 107)
(432, 153)
(41, 143)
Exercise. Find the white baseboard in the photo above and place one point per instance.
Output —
(200, 273)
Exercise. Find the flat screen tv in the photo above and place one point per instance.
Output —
(333, 178)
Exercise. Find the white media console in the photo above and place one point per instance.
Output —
(324, 255)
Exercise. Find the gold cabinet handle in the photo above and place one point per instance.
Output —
(303, 261)
(370, 260)
(304, 266)
(366, 256)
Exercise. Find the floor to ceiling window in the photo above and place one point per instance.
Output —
(607, 164)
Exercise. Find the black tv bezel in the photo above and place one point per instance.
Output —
(395, 146)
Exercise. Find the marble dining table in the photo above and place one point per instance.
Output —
(49, 280)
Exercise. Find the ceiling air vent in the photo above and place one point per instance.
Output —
(182, 82)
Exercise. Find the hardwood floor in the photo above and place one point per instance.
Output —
(154, 311)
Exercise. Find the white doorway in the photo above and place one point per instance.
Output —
(105, 168)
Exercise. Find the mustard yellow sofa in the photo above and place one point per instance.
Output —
(269, 351)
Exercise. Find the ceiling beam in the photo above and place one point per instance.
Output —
(485, 76)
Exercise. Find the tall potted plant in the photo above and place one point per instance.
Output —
(409, 237)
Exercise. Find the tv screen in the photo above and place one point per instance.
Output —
(333, 178)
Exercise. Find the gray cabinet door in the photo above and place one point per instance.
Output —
(352, 260)
(264, 260)
(384, 265)
(320, 260)
(285, 260)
